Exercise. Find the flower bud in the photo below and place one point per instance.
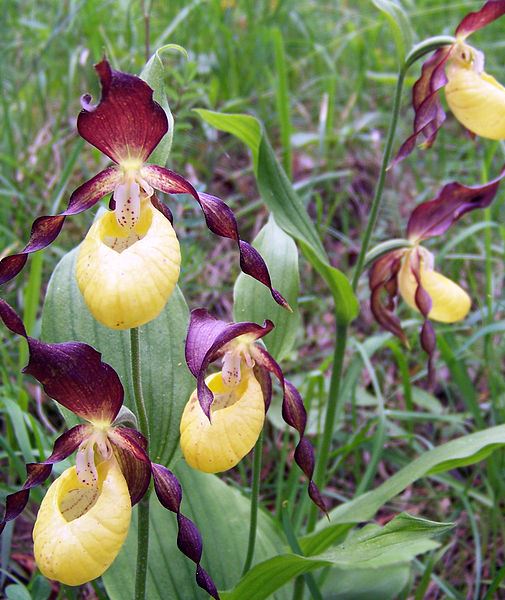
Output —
(80, 529)
(237, 417)
(449, 302)
(477, 100)
(127, 275)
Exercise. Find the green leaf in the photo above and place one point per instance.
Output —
(17, 592)
(288, 209)
(222, 515)
(372, 547)
(253, 302)
(364, 584)
(153, 73)
(166, 381)
(399, 24)
(461, 452)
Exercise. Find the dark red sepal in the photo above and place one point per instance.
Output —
(189, 541)
(429, 114)
(384, 292)
(492, 10)
(72, 373)
(130, 449)
(163, 208)
(206, 341)
(454, 200)
(127, 122)
(46, 229)
(63, 447)
(295, 415)
(220, 220)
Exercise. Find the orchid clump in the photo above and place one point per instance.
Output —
(129, 262)
(225, 414)
(85, 515)
(410, 272)
(475, 98)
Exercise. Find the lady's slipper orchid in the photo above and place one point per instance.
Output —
(224, 416)
(84, 517)
(129, 262)
(409, 272)
(475, 98)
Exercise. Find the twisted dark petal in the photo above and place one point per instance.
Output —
(265, 381)
(220, 220)
(37, 473)
(46, 229)
(429, 114)
(454, 200)
(127, 123)
(295, 415)
(163, 208)
(492, 10)
(72, 373)
(383, 282)
(429, 345)
(206, 341)
(189, 540)
(130, 450)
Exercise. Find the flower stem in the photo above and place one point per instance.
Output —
(255, 491)
(374, 211)
(143, 506)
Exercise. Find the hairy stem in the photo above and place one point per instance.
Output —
(255, 491)
(377, 199)
(143, 506)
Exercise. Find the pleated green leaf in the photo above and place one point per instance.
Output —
(166, 381)
(288, 209)
(461, 452)
(222, 515)
(253, 302)
(372, 547)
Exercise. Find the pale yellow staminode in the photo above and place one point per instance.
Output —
(80, 529)
(127, 275)
(477, 100)
(450, 302)
(237, 418)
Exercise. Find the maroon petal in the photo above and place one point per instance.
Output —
(130, 449)
(295, 415)
(64, 446)
(72, 373)
(189, 540)
(383, 282)
(265, 381)
(434, 217)
(429, 114)
(492, 10)
(127, 123)
(46, 229)
(206, 339)
(163, 208)
(220, 220)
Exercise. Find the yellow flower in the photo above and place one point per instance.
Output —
(237, 418)
(449, 302)
(81, 528)
(476, 99)
(127, 275)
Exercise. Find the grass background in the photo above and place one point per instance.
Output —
(321, 76)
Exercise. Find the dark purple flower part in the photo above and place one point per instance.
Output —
(73, 374)
(433, 218)
(429, 114)
(210, 338)
(126, 125)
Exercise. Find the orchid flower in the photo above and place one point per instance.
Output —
(129, 262)
(85, 515)
(475, 98)
(410, 273)
(225, 414)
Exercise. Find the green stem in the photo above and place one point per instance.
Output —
(374, 211)
(143, 506)
(255, 492)
(323, 450)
